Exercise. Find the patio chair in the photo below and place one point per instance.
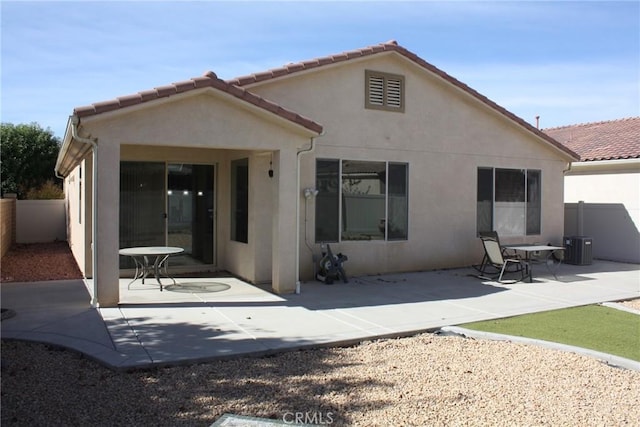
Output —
(496, 259)
(485, 261)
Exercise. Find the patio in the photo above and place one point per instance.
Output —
(207, 318)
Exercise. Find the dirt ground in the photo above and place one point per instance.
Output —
(37, 262)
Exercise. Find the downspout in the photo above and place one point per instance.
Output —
(75, 121)
(299, 192)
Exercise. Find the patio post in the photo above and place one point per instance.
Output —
(106, 241)
(284, 218)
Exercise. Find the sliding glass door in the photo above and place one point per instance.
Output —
(190, 213)
(168, 204)
(142, 201)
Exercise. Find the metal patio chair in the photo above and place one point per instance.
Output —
(485, 261)
(496, 259)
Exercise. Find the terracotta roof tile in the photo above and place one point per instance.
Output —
(608, 140)
(184, 86)
(128, 100)
(208, 80)
(392, 46)
(148, 95)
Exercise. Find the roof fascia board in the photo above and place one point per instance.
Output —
(110, 115)
(315, 69)
(70, 154)
(261, 112)
(630, 165)
(489, 105)
(208, 80)
(297, 69)
(515, 124)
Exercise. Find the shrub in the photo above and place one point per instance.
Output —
(47, 191)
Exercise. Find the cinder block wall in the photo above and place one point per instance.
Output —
(41, 221)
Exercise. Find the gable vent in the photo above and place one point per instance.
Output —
(384, 91)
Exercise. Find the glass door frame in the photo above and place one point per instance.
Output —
(165, 233)
(192, 217)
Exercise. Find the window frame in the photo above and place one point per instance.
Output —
(386, 77)
(239, 203)
(527, 201)
(339, 195)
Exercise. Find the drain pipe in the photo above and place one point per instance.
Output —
(299, 193)
(75, 121)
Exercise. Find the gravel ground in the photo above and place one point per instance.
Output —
(39, 262)
(423, 380)
(635, 304)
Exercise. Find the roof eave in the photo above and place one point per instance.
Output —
(393, 47)
(631, 164)
(71, 152)
(209, 80)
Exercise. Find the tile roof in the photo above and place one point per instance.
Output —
(391, 46)
(209, 79)
(608, 140)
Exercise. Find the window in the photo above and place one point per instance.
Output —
(384, 91)
(509, 201)
(240, 200)
(360, 200)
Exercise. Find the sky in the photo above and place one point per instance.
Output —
(568, 62)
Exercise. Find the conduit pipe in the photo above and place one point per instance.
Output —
(299, 194)
(75, 121)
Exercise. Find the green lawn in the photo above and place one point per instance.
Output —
(593, 326)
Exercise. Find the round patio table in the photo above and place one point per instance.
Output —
(142, 256)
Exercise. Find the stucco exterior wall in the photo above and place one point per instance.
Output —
(443, 135)
(77, 205)
(208, 129)
(611, 216)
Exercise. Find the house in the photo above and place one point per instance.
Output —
(607, 181)
(374, 151)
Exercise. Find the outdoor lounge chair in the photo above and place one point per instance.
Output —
(485, 261)
(496, 259)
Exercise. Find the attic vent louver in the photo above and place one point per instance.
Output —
(376, 90)
(384, 91)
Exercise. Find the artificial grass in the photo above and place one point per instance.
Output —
(592, 326)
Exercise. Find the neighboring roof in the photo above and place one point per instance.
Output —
(608, 140)
(209, 79)
(392, 46)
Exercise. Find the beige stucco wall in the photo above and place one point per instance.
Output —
(610, 191)
(443, 135)
(78, 225)
(209, 128)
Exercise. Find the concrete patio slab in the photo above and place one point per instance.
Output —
(200, 319)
